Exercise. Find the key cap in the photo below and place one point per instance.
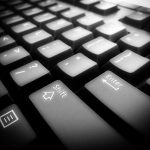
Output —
(73, 14)
(14, 58)
(137, 19)
(32, 11)
(6, 42)
(6, 13)
(15, 130)
(85, 130)
(44, 18)
(35, 39)
(29, 77)
(138, 42)
(76, 37)
(112, 31)
(57, 9)
(100, 50)
(128, 5)
(130, 66)
(105, 8)
(22, 6)
(144, 9)
(58, 26)
(5, 99)
(47, 3)
(12, 3)
(52, 53)
(90, 21)
(125, 100)
(76, 70)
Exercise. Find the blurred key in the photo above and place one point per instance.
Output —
(1, 31)
(47, 3)
(90, 21)
(130, 66)
(22, 6)
(35, 39)
(125, 100)
(32, 11)
(100, 50)
(6, 42)
(12, 3)
(14, 58)
(30, 77)
(76, 37)
(52, 53)
(112, 31)
(58, 26)
(74, 123)
(137, 42)
(144, 9)
(15, 130)
(137, 19)
(73, 14)
(76, 70)
(44, 18)
(6, 13)
(105, 8)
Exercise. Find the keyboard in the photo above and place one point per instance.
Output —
(74, 75)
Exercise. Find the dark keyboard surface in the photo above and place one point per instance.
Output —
(74, 75)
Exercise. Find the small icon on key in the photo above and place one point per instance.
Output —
(8, 118)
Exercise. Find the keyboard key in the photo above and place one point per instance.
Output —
(76, 37)
(6, 13)
(58, 26)
(145, 87)
(125, 100)
(137, 19)
(90, 21)
(144, 9)
(15, 129)
(30, 77)
(47, 3)
(85, 130)
(35, 39)
(43, 18)
(6, 42)
(112, 31)
(32, 11)
(73, 14)
(52, 53)
(100, 50)
(76, 70)
(12, 3)
(1, 31)
(22, 6)
(130, 66)
(137, 42)
(14, 58)
(105, 8)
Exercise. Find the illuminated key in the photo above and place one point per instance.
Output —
(74, 123)
(14, 58)
(138, 42)
(15, 129)
(34, 39)
(44, 18)
(76, 70)
(73, 14)
(90, 21)
(54, 52)
(125, 100)
(30, 76)
(112, 31)
(105, 8)
(88, 4)
(100, 50)
(76, 37)
(32, 11)
(58, 26)
(130, 65)
(137, 19)
(6, 42)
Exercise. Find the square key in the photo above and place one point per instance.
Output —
(52, 53)
(100, 50)
(130, 65)
(76, 70)
(58, 26)
(138, 42)
(34, 39)
(76, 37)
(112, 31)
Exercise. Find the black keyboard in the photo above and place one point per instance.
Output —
(74, 75)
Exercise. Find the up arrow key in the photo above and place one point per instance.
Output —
(48, 95)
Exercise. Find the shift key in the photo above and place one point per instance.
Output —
(73, 122)
(125, 100)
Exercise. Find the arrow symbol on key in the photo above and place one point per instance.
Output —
(48, 95)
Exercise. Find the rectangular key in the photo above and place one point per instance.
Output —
(15, 130)
(47, 3)
(22, 6)
(126, 101)
(74, 123)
